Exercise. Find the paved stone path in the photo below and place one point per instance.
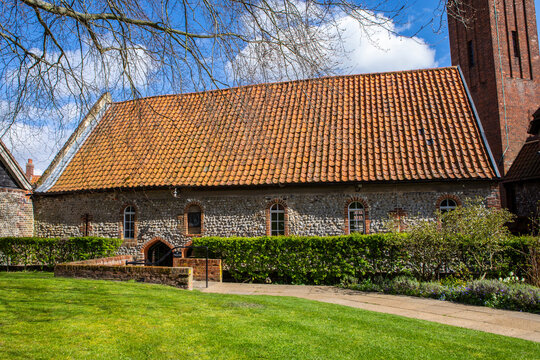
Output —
(502, 322)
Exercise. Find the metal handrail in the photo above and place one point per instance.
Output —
(175, 254)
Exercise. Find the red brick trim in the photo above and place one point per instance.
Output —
(185, 250)
(149, 243)
(285, 217)
(399, 214)
(186, 208)
(82, 227)
(494, 198)
(112, 260)
(199, 268)
(129, 242)
(366, 214)
(447, 196)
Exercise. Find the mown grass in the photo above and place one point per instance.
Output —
(42, 317)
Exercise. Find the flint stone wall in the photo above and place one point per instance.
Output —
(16, 213)
(527, 198)
(311, 210)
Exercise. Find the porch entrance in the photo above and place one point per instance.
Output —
(157, 251)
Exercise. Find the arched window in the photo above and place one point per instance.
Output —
(356, 217)
(277, 220)
(447, 205)
(194, 219)
(129, 222)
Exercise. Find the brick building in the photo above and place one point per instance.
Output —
(522, 182)
(324, 156)
(497, 50)
(16, 211)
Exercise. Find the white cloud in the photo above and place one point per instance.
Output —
(37, 143)
(39, 139)
(340, 46)
(377, 49)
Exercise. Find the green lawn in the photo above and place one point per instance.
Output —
(42, 317)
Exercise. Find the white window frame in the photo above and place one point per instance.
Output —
(277, 209)
(129, 222)
(358, 206)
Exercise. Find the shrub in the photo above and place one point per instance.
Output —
(51, 251)
(468, 240)
(309, 260)
(522, 254)
(431, 252)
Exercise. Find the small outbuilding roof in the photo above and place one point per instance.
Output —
(398, 126)
(526, 166)
(13, 169)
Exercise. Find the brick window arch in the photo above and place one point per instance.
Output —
(148, 245)
(277, 218)
(193, 219)
(447, 203)
(356, 216)
(128, 224)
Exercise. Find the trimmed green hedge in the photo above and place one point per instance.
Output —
(51, 251)
(328, 260)
(308, 260)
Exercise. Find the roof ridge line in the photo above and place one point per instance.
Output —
(289, 82)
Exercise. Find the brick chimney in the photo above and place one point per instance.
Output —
(29, 170)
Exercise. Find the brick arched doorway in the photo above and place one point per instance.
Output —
(159, 250)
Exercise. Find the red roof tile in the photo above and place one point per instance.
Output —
(526, 166)
(399, 126)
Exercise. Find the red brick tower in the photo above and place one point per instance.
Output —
(497, 51)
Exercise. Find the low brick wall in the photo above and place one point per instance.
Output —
(181, 277)
(113, 260)
(199, 268)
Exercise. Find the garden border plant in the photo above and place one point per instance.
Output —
(510, 293)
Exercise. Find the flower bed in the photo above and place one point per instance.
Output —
(501, 294)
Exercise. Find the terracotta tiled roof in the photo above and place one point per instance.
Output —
(526, 166)
(399, 126)
(34, 179)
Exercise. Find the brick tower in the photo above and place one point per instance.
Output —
(497, 51)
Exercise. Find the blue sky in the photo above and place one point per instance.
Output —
(429, 48)
(420, 10)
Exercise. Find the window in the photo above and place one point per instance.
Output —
(447, 205)
(470, 53)
(194, 220)
(356, 218)
(515, 43)
(277, 220)
(129, 222)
